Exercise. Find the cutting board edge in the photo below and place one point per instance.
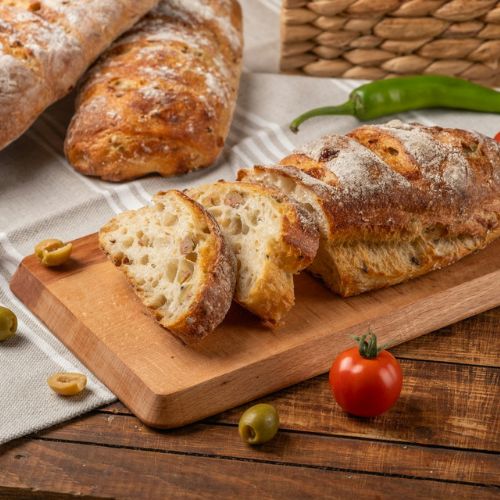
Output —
(34, 302)
(328, 354)
(169, 410)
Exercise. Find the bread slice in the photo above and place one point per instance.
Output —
(272, 237)
(177, 261)
(313, 194)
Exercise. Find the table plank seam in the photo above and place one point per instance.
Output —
(364, 438)
(454, 363)
(268, 462)
(35, 493)
(208, 422)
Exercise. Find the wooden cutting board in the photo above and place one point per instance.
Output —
(90, 307)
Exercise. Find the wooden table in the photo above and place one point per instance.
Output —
(441, 440)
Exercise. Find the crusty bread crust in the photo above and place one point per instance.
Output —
(214, 293)
(284, 251)
(393, 201)
(314, 195)
(162, 98)
(46, 45)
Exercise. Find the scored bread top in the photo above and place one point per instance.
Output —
(176, 259)
(272, 238)
(46, 45)
(161, 99)
(397, 180)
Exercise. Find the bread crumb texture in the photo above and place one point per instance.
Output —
(272, 239)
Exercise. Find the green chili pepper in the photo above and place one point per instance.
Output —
(395, 95)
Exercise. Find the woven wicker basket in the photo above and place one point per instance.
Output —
(381, 38)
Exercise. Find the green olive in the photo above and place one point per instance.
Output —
(8, 323)
(259, 424)
(53, 252)
(67, 384)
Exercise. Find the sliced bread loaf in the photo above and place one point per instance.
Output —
(404, 200)
(272, 238)
(177, 261)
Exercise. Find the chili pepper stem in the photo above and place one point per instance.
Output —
(347, 108)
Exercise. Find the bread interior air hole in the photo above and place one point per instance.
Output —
(250, 223)
(161, 257)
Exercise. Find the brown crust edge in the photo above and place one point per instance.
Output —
(214, 301)
(300, 232)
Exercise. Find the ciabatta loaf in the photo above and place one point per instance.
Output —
(177, 261)
(396, 200)
(272, 237)
(46, 45)
(161, 99)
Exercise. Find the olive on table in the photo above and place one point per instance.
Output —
(53, 252)
(67, 384)
(8, 323)
(259, 424)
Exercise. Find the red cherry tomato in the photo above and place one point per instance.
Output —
(497, 137)
(365, 380)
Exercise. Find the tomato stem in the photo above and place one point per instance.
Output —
(368, 348)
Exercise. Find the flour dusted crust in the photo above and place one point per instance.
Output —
(161, 99)
(272, 237)
(46, 45)
(177, 261)
(398, 200)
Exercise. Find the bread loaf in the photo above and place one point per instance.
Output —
(393, 201)
(177, 261)
(272, 237)
(161, 99)
(46, 45)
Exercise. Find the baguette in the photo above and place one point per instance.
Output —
(46, 45)
(272, 237)
(177, 261)
(161, 99)
(396, 200)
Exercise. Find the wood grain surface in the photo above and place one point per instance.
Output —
(445, 443)
(90, 307)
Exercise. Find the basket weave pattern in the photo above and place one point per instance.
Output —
(373, 39)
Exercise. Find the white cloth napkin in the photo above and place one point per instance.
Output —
(42, 196)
